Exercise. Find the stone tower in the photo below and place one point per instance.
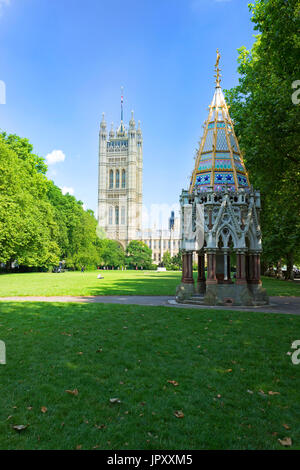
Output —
(120, 180)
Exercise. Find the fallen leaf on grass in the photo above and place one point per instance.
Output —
(72, 392)
(286, 426)
(100, 426)
(179, 414)
(286, 441)
(273, 393)
(44, 409)
(173, 382)
(20, 427)
(115, 400)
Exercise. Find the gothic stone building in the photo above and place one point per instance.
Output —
(120, 190)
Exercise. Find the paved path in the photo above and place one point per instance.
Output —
(277, 304)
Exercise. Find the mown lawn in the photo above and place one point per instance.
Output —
(237, 387)
(114, 283)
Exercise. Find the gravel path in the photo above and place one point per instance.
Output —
(277, 304)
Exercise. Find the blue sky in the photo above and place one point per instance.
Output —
(64, 61)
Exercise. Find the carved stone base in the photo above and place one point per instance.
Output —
(259, 294)
(235, 295)
(184, 292)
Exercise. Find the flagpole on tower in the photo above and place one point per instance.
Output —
(122, 90)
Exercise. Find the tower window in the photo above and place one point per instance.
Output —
(123, 215)
(123, 178)
(111, 179)
(117, 179)
(117, 215)
(110, 216)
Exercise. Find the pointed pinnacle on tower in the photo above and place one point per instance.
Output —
(103, 122)
(217, 70)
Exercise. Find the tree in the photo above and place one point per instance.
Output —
(268, 124)
(111, 253)
(27, 228)
(139, 254)
(167, 260)
(38, 224)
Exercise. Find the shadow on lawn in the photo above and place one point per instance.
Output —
(134, 286)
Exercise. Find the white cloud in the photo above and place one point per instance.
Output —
(55, 156)
(66, 190)
(2, 4)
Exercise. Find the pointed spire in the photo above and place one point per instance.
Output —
(139, 130)
(103, 122)
(217, 70)
(112, 132)
(219, 163)
(132, 121)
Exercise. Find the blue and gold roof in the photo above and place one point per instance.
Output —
(219, 162)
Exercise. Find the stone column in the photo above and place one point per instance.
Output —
(254, 269)
(241, 278)
(201, 281)
(225, 266)
(211, 268)
(187, 268)
(229, 268)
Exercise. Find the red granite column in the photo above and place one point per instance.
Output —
(211, 268)
(201, 281)
(187, 268)
(254, 269)
(241, 269)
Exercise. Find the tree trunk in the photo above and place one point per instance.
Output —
(279, 274)
(290, 267)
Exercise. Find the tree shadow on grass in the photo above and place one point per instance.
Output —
(135, 286)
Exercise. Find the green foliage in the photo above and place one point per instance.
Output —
(174, 263)
(27, 230)
(139, 254)
(38, 224)
(167, 260)
(111, 253)
(268, 123)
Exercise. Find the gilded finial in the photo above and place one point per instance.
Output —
(218, 75)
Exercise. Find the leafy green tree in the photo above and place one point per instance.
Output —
(111, 253)
(177, 261)
(268, 124)
(167, 260)
(139, 254)
(27, 229)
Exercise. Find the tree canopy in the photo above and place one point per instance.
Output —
(268, 123)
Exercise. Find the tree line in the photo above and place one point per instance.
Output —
(41, 227)
(267, 121)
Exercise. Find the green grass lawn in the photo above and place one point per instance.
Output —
(225, 363)
(114, 283)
